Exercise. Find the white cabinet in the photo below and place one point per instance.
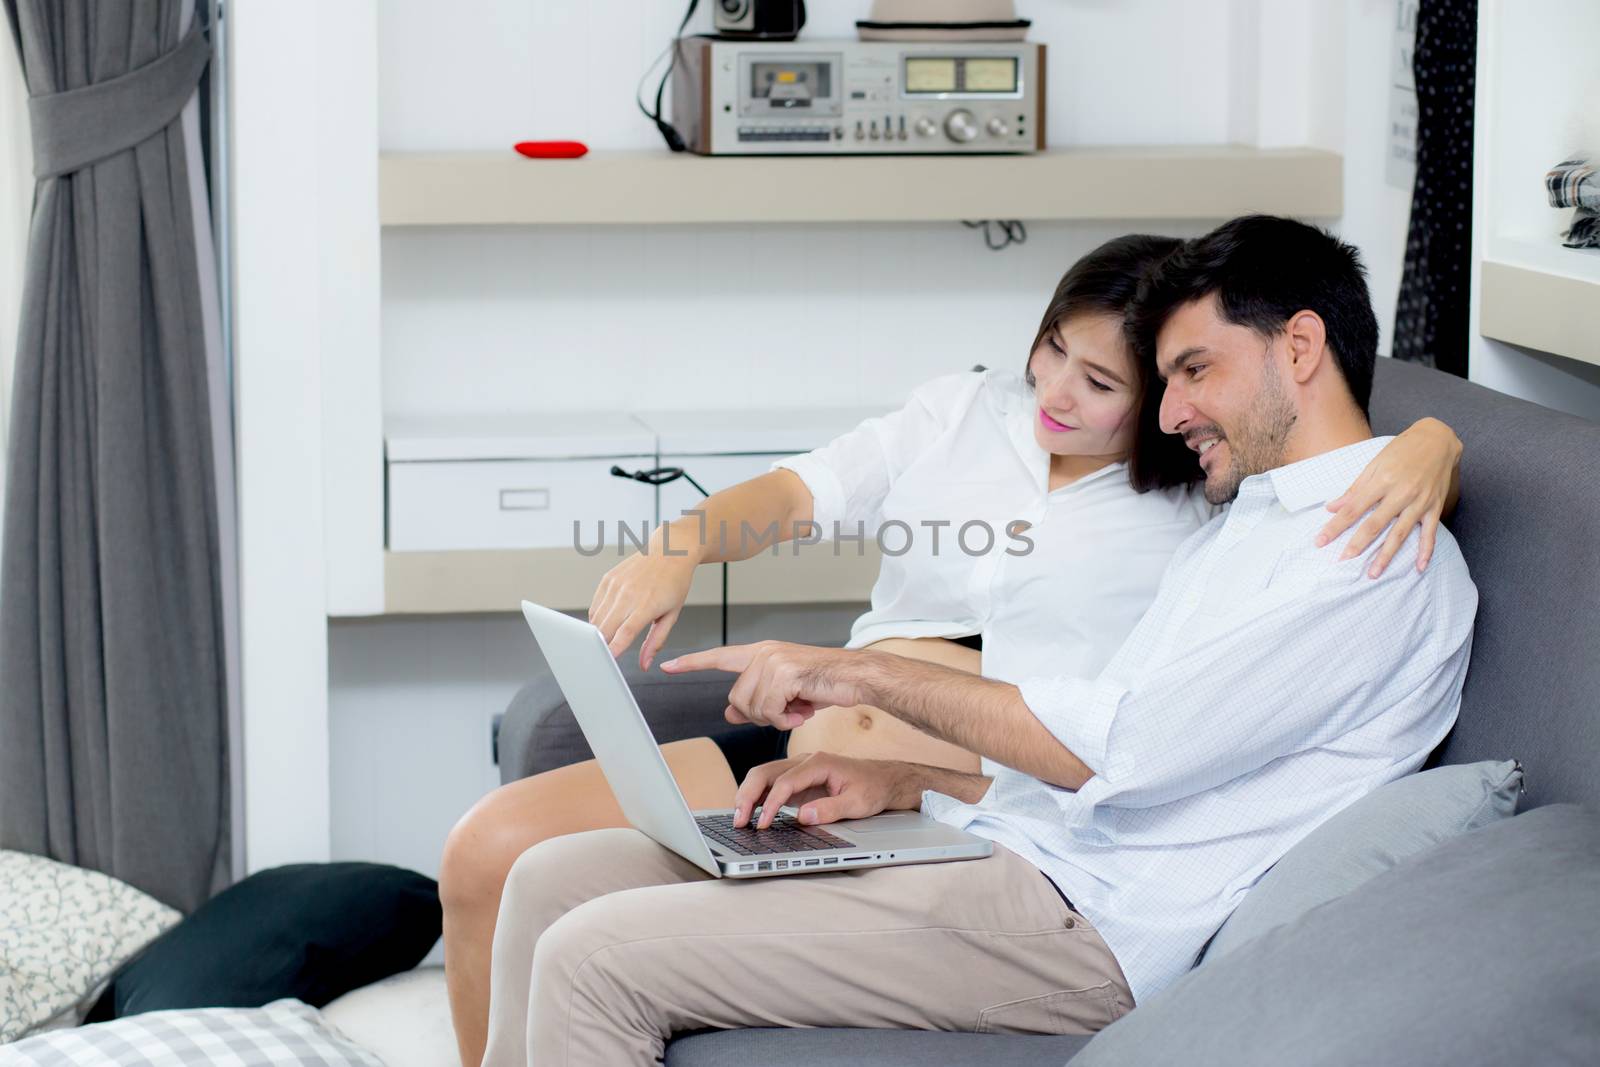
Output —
(528, 481)
(723, 448)
(544, 481)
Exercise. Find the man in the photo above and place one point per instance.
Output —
(1264, 690)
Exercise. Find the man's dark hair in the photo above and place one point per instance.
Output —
(1264, 270)
(1105, 282)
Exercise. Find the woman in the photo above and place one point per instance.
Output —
(1067, 458)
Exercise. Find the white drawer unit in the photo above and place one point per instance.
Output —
(723, 448)
(505, 482)
(465, 482)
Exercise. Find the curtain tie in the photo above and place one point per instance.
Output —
(76, 128)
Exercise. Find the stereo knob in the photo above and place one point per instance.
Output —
(997, 127)
(926, 127)
(960, 126)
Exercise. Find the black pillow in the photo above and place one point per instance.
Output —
(313, 931)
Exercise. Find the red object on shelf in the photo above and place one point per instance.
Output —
(552, 149)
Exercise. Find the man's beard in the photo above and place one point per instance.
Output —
(1259, 442)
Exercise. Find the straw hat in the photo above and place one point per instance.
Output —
(943, 20)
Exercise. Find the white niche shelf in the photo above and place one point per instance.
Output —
(457, 547)
(1540, 295)
(495, 581)
(1135, 183)
(656, 187)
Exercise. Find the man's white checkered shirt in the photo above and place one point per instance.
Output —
(1268, 687)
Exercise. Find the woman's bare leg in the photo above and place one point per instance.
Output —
(502, 826)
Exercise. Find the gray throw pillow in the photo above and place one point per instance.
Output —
(1482, 950)
(1400, 819)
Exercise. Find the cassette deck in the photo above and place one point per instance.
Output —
(848, 97)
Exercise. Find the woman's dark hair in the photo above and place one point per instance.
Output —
(1105, 282)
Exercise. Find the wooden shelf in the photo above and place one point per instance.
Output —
(459, 583)
(1542, 296)
(1184, 182)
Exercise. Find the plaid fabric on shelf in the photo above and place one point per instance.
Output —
(1585, 231)
(1574, 183)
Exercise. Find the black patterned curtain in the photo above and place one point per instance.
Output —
(1432, 320)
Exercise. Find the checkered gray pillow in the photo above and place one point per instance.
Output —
(285, 1033)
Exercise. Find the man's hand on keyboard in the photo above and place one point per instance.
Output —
(826, 788)
(780, 684)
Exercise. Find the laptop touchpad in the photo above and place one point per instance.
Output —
(884, 823)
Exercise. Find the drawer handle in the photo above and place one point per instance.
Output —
(524, 500)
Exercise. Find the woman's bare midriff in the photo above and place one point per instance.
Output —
(868, 733)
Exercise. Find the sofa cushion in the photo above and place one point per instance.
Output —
(540, 733)
(310, 931)
(1484, 949)
(881, 1048)
(1530, 501)
(1400, 819)
(404, 1019)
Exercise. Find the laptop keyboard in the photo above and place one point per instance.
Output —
(785, 834)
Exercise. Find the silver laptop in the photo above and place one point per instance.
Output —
(605, 709)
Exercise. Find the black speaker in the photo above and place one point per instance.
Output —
(769, 20)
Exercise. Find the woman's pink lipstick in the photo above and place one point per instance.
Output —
(1051, 424)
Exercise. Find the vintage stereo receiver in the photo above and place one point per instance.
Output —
(850, 97)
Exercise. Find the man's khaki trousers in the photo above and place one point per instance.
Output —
(607, 944)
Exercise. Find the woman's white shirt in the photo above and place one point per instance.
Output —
(1063, 578)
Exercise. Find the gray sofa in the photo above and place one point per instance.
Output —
(1529, 525)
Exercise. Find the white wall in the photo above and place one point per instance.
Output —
(485, 319)
(16, 204)
(278, 358)
(596, 317)
(481, 319)
(1538, 103)
(706, 317)
(1376, 213)
(499, 71)
(346, 124)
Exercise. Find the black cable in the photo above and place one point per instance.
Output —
(1003, 234)
(661, 476)
(668, 134)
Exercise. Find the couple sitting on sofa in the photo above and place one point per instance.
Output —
(1173, 690)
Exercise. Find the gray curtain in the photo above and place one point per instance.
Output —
(113, 727)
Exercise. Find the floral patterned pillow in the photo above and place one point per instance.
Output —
(63, 930)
